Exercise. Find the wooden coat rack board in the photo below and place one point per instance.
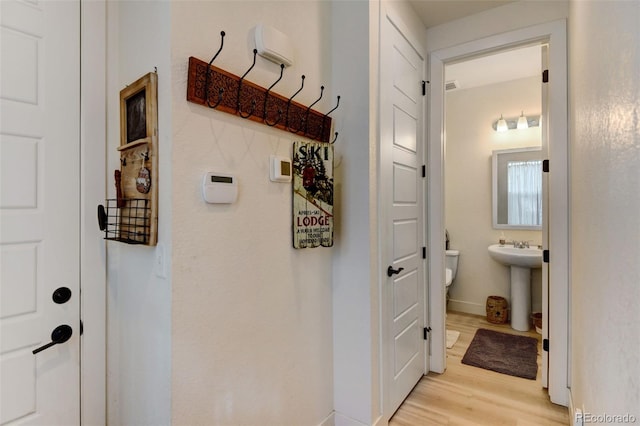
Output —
(278, 111)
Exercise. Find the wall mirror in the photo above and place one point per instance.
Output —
(517, 188)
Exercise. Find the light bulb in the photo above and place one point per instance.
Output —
(502, 125)
(522, 122)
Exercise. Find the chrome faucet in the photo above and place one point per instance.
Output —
(521, 244)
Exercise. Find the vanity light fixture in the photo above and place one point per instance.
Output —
(522, 122)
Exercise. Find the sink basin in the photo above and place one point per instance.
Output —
(511, 256)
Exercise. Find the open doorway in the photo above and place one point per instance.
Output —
(493, 182)
(553, 34)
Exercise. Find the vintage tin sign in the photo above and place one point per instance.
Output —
(312, 194)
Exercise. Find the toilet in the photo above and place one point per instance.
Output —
(451, 265)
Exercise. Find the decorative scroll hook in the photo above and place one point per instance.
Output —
(334, 139)
(306, 117)
(253, 101)
(208, 76)
(266, 98)
(289, 104)
(325, 117)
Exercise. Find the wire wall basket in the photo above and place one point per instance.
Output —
(126, 220)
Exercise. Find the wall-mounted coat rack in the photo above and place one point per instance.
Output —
(216, 88)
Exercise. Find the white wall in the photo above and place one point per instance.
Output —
(470, 140)
(355, 294)
(356, 264)
(251, 316)
(139, 302)
(605, 237)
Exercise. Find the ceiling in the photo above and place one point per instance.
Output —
(490, 69)
(496, 68)
(436, 12)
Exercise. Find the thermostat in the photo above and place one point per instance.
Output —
(280, 170)
(219, 189)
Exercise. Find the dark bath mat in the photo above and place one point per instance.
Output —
(505, 353)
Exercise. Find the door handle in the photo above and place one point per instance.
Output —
(61, 295)
(60, 334)
(391, 271)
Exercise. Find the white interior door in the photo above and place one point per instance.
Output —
(401, 100)
(39, 208)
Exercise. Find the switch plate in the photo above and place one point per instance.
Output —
(280, 169)
(160, 267)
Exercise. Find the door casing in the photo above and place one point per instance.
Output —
(555, 34)
(93, 21)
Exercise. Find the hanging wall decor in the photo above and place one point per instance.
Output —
(312, 194)
(133, 216)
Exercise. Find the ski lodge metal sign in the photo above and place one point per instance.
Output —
(312, 194)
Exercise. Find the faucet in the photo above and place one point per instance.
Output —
(521, 244)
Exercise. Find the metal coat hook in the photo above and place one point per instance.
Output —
(306, 116)
(208, 77)
(334, 139)
(266, 98)
(253, 101)
(325, 117)
(289, 104)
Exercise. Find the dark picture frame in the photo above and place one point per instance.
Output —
(138, 106)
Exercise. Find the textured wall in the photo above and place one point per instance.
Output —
(470, 140)
(252, 317)
(605, 241)
(139, 302)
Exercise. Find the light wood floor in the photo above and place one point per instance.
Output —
(466, 395)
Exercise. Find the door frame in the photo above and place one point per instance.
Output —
(555, 34)
(93, 19)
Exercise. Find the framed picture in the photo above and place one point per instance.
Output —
(138, 110)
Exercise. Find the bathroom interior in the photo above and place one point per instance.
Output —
(479, 91)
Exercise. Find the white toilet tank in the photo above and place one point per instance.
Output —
(451, 261)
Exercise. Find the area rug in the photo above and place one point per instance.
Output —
(504, 353)
(452, 338)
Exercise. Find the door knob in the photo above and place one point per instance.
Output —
(61, 295)
(60, 334)
(391, 271)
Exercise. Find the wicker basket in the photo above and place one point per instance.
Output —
(497, 310)
(537, 321)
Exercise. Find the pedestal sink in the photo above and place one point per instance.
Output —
(520, 261)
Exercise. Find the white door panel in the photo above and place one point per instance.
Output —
(401, 162)
(405, 189)
(405, 293)
(404, 129)
(39, 207)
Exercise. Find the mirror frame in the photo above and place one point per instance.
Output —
(494, 178)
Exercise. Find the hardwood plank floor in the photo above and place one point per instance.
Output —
(466, 395)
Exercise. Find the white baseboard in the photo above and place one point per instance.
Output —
(329, 420)
(575, 413)
(342, 420)
(467, 307)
